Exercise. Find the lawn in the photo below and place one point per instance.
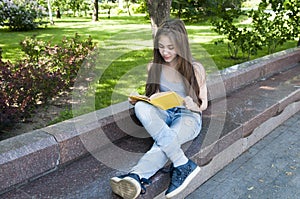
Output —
(124, 47)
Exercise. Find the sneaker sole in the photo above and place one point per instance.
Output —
(127, 187)
(185, 183)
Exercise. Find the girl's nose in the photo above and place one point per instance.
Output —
(165, 52)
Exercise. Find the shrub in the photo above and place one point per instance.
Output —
(272, 26)
(9, 111)
(269, 28)
(21, 15)
(66, 57)
(44, 72)
(22, 87)
(246, 40)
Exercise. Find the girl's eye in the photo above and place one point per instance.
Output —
(169, 47)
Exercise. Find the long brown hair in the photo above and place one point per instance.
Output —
(176, 31)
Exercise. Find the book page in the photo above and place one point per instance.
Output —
(139, 97)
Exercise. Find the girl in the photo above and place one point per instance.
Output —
(172, 69)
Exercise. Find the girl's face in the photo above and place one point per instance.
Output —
(167, 49)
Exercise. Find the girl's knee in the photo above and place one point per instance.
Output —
(144, 111)
(142, 107)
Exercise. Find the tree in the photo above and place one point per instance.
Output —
(195, 10)
(273, 23)
(96, 11)
(127, 6)
(108, 6)
(58, 5)
(50, 12)
(159, 10)
(293, 7)
(286, 19)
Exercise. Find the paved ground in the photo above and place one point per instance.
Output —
(268, 170)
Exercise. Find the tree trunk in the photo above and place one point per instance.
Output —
(50, 12)
(58, 15)
(128, 10)
(96, 11)
(159, 10)
(121, 4)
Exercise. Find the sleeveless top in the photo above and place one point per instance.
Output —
(177, 87)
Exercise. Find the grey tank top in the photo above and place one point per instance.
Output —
(166, 85)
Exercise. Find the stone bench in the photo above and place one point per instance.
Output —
(246, 102)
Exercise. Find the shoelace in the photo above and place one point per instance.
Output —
(144, 182)
(167, 169)
(179, 175)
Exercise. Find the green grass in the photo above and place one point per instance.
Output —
(124, 47)
(102, 30)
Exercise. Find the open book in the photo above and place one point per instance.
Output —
(163, 100)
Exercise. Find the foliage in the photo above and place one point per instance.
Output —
(24, 85)
(66, 57)
(45, 71)
(243, 39)
(69, 7)
(108, 6)
(269, 28)
(21, 15)
(278, 25)
(195, 10)
(77, 5)
(288, 12)
(140, 7)
(187, 10)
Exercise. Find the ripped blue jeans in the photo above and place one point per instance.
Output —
(169, 130)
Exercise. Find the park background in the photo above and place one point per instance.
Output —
(42, 51)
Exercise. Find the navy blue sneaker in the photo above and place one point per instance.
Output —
(128, 186)
(180, 177)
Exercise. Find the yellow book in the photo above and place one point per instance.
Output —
(163, 100)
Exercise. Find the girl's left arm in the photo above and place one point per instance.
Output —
(201, 79)
(203, 97)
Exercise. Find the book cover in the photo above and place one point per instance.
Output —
(163, 100)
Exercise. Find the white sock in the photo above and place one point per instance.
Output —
(181, 161)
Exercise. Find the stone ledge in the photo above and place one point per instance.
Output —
(69, 140)
(26, 156)
(237, 76)
(73, 135)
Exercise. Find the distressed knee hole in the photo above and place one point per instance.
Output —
(188, 122)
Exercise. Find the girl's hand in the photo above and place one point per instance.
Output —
(190, 104)
(132, 101)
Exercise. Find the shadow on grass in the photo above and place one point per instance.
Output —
(67, 27)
